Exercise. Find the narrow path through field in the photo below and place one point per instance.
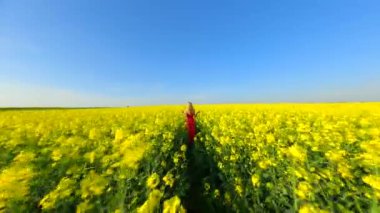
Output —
(197, 171)
(201, 167)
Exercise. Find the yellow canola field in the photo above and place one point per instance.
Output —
(86, 159)
(246, 158)
(298, 157)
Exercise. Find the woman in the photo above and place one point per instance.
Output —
(190, 122)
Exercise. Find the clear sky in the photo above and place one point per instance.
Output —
(141, 52)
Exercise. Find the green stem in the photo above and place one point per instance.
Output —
(295, 201)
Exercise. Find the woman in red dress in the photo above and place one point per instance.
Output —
(190, 122)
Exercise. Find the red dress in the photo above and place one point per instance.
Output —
(191, 130)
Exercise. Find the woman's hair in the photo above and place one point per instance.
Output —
(190, 109)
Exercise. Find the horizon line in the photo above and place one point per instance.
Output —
(216, 103)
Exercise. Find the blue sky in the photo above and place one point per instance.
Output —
(115, 53)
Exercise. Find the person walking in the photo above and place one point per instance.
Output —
(190, 122)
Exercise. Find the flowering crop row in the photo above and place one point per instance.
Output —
(91, 160)
(307, 158)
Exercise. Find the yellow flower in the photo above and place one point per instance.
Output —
(297, 153)
(216, 193)
(132, 156)
(176, 158)
(265, 163)
(56, 155)
(183, 148)
(93, 185)
(370, 159)
(153, 181)
(64, 189)
(364, 122)
(227, 198)
(270, 138)
(373, 181)
(303, 190)
(335, 155)
(299, 172)
(371, 156)
(84, 207)
(24, 157)
(14, 183)
(93, 134)
(233, 158)
(255, 179)
(344, 170)
(90, 156)
(207, 186)
(371, 146)
(151, 203)
(119, 135)
(374, 132)
(308, 208)
(168, 179)
(173, 205)
(262, 165)
(239, 189)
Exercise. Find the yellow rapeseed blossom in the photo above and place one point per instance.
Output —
(373, 181)
(207, 186)
(119, 135)
(131, 156)
(84, 207)
(151, 203)
(335, 155)
(168, 179)
(90, 156)
(371, 155)
(153, 181)
(239, 189)
(93, 134)
(183, 148)
(92, 185)
(297, 153)
(24, 157)
(216, 193)
(308, 208)
(303, 190)
(63, 190)
(14, 183)
(345, 170)
(255, 179)
(265, 163)
(56, 155)
(270, 138)
(173, 205)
